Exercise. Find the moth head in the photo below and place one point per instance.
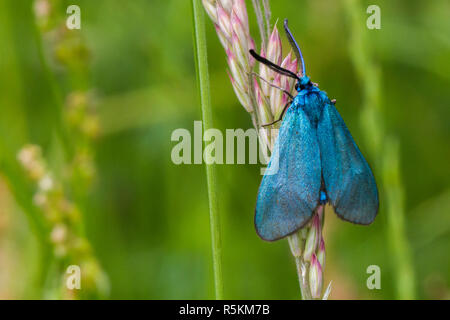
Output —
(303, 83)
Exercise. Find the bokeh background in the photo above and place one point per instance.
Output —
(86, 176)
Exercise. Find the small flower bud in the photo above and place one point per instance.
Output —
(263, 106)
(210, 9)
(284, 101)
(226, 4)
(240, 10)
(30, 157)
(42, 8)
(223, 39)
(40, 199)
(293, 66)
(274, 47)
(223, 20)
(235, 70)
(315, 277)
(276, 95)
(46, 183)
(241, 95)
(320, 212)
(295, 244)
(312, 239)
(59, 233)
(240, 51)
(321, 253)
(240, 32)
(264, 73)
(287, 83)
(251, 45)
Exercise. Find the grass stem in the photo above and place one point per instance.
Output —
(205, 98)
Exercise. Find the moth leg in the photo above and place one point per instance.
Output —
(281, 116)
(273, 86)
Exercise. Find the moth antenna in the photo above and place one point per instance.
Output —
(273, 66)
(294, 46)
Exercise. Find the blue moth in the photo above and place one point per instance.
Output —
(318, 162)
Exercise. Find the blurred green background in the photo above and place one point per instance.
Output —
(131, 72)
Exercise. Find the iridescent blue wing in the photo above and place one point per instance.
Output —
(288, 196)
(349, 182)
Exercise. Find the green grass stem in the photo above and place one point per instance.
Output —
(205, 98)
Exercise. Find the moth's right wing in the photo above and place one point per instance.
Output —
(289, 191)
(349, 181)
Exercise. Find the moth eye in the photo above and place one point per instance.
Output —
(297, 86)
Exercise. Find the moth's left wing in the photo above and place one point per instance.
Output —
(349, 181)
(289, 191)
